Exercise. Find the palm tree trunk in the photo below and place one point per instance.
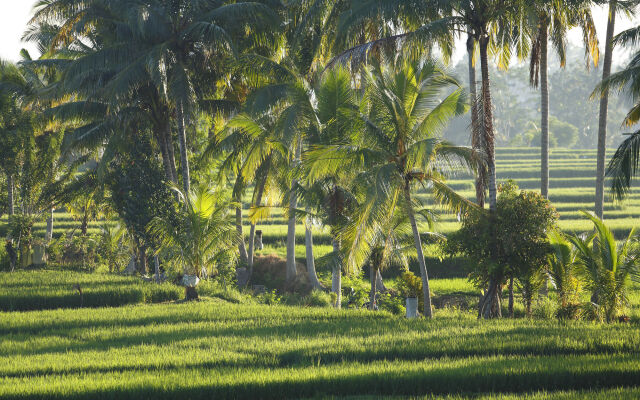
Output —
(244, 257)
(49, 233)
(602, 121)
(164, 141)
(488, 123)
(489, 306)
(172, 156)
(372, 294)
(511, 297)
(252, 233)
(10, 200)
(336, 275)
(426, 292)
(544, 113)
(476, 128)
(291, 226)
(311, 264)
(184, 158)
(380, 287)
(156, 263)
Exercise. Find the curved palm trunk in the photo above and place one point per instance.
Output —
(488, 123)
(426, 293)
(511, 297)
(184, 158)
(244, 257)
(164, 141)
(380, 287)
(291, 225)
(49, 233)
(373, 274)
(602, 121)
(336, 275)
(476, 128)
(544, 113)
(252, 233)
(311, 264)
(10, 200)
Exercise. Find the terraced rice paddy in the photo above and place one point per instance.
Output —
(228, 347)
(213, 349)
(572, 180)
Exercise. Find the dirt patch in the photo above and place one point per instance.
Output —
(270, 271)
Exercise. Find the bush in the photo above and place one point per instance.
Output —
(410, 285)
(544, 309)
(391, 303)
(318, 298)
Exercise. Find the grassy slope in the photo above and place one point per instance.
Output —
(217, 350)
(572, 189)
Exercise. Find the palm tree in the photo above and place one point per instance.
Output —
(551, 21)
(493, 24)
(606, 266)
(561, 268)
(202, 236)
(604, 106)
(623, 166)
(253, 153)
(158, 44)
(398, 147)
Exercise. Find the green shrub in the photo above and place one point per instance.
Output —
(318, 298)
(392, 303)
(544, 309)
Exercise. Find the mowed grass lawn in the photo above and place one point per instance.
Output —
(217, 350)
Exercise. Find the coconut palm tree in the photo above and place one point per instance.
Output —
(604, 107)
(399, 147)
(202, 236)
(561, 268)
(254, 154)
(550, 21)
(160, 44)
(623, 166)
(606, 266)
(493, 24)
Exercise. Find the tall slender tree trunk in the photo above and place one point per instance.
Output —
(336, 275)
(164, 141)
(311, 264)
(476, 127)
(372, 293)
(172, 156)
(544, 112)
(380, 287)
(184, 157)
(252, 233)
(10, 200)
(426, 292)
(488, 123)
(604, 105)
(244, 257)
(291, 225)
(511, 297)
(49, 232)
(156, 263)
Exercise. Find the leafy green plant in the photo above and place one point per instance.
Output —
(202, 236)
(606, 267)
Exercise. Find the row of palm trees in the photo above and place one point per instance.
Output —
(346, 144)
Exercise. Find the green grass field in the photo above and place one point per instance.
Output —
(214, 349)
(130, 339)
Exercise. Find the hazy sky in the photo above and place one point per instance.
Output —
(14, 15)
